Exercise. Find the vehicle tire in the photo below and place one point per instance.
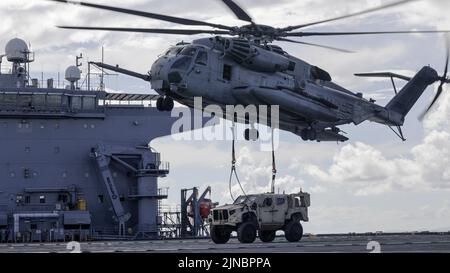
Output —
(293, 231)
(267, 236)
(159, 104)
(219, 235)
(246, 233)
(168, 104)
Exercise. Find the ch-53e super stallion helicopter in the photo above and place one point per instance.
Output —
(248, 69)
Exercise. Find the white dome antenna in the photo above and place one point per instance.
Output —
(17, 51)
(73, 75)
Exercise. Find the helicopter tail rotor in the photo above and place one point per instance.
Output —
(443, 80)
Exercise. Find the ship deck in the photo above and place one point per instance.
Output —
(410, 243)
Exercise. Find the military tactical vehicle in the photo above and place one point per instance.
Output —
(264, 214)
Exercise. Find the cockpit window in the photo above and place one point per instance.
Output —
(174, 51)
(202, 58)
(183, 63)
(189, 51)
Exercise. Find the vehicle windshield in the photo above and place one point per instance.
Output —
(244, 199)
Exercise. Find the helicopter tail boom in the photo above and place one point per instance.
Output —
(403, 102)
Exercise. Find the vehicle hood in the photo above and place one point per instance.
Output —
(228, 207)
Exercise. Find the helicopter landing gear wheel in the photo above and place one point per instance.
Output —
(168, 104)
(251, 134)
(164, 104)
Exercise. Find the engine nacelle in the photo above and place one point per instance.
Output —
(256, 58)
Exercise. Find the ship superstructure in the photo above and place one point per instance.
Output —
(74, 163)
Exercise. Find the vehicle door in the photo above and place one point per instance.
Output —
(266, 207)
(280, 209)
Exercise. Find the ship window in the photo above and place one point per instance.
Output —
(27, 199)
(75, 103)
(202, 58)
(54, 100)
(42, 199)
(88, 103)
(227, 72)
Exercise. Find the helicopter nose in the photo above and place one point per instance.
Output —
(160, 72)
(174, 77)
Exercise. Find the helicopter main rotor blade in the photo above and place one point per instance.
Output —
(316, 45)
(309, 34)
(151, 30)
(394, 4)
(238, 11)
(161, 17)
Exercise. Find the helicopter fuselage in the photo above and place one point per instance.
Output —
(309, 101)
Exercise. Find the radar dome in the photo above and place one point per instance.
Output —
(16, 50)
(73, 74)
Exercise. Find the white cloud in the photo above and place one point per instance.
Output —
(439, 117)
(255, 176)
(364, 170)
(365, 218)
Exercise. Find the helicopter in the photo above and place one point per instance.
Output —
(243, 66)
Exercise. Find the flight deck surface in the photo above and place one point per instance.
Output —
(432, 243)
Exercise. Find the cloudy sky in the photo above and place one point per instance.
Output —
(373, 182)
